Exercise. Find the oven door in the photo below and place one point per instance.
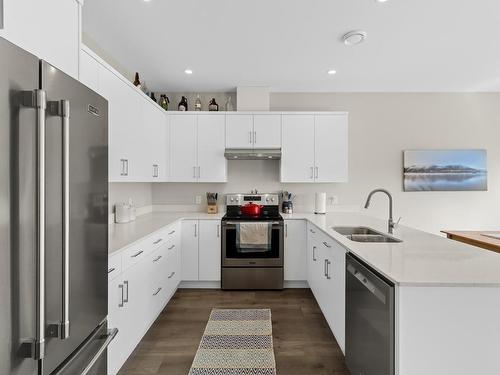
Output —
(234, 256)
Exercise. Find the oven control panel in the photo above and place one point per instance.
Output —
(242, 199)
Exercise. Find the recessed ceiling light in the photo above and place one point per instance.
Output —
(332, 72)
(380, 1)
(188, 71)
(354, 37)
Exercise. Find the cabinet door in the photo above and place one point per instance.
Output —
(313, 260)
(336, 274)
(120, 120)
(189, 250)
(48, 29)
(209, 250)
(267, 131)
(212, 165)
(183, 148)
(331, 148)
(117, 319)
(295, 250)
(152, 149)
(89, 71)
(297, 159)
(239, 131)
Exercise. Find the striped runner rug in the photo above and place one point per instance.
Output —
(236, 342)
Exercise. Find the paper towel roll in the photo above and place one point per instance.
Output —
(320, 203)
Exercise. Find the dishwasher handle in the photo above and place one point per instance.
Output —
(367, 283)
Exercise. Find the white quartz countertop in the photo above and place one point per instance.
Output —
(422, 259)
(123, 235)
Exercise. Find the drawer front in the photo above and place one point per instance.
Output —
(114, 266)
(134, 254)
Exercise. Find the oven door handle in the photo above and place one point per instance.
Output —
(240, 222)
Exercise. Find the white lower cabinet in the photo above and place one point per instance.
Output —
(326, 278)
(201, 250)
(209, 251)
(295, 250)
(139, 293)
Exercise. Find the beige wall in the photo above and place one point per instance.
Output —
(381, 126)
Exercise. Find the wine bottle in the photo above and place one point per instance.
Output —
(197, 103)
(183, 104)
(137, 82)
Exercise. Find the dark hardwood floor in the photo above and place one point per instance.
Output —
(303, 342)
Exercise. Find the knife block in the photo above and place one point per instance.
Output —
(212, 209)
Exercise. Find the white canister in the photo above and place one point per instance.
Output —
(320, 203)
(122, 213)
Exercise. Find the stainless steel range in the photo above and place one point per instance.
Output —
(252, 242)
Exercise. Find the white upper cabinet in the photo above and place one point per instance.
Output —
(197, 148)
(212, 165)
(89, 71)
(183, 147)
(315, 148)
(239, 131)
(331, 148)
(47, 29)
(267, 131)
(297, 155)
(253, 130)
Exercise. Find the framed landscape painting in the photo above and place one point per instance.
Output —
(445, 170)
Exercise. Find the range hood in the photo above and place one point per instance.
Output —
(253, 154)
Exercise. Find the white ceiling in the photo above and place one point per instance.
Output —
(289, 45)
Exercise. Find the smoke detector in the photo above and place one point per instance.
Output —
(354, 37)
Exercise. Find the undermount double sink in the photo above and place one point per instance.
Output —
(365, 234)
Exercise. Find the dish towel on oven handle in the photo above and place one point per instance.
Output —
(254, 237)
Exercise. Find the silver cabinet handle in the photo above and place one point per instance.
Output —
(1, 14)
(157, 258)
(312, 231)
(312, 173)
(137, 254)
(170, 233)
(286, 230)
(317, 172)
(250, 137)
(61, 108)
(157, 241)
(254, 137)
(325, 267)
(126, 164)
(171, 275)
(218, 230)
(199, 172)
(155, 170)
(171, 247)
(121, 300)
(194, 172)
(157, 291)
(122, 167)
(37, 99)
(326, 244)
(126, 294)
(111, 270)
(314, 253)
(328, 263)
(196, 230)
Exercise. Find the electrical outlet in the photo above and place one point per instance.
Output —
(333, 200)
(198, 199)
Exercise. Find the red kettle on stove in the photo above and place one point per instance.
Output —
(251, 209)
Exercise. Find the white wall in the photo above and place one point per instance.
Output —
(381, 126)
(140, 193)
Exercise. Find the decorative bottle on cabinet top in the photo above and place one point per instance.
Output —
(137, 82)
(183, 104)
(164, 101)
(197, 103)
(213, 106)
(229, 105)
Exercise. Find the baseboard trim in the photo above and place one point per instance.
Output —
(216, 285)
(296, 284)
(199, 285)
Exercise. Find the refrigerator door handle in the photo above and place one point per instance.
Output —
(37, 99)
(62, 109)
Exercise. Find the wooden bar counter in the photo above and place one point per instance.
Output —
(476, 238)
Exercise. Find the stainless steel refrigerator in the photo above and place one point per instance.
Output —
(53, 220)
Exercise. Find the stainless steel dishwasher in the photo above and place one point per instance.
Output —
(369, 320)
